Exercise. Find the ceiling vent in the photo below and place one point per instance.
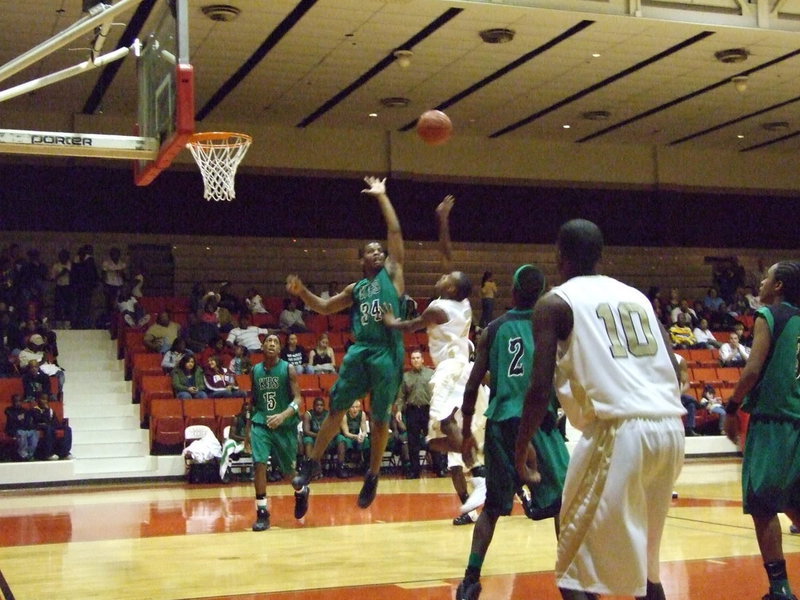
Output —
(776, 126)
(732, 55)
(395, 102)
(499, 35)
(221, 12)
(596, 115)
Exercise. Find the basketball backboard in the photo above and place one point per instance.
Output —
(165, 92)
(166, 88)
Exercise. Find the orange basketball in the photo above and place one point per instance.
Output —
(434, 127)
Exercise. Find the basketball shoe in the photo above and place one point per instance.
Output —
(468, 518)
(308, 470)
(262, 520)
(368, 490)
(301, 502)
(794, 529)
(774, 596)
(468, 590)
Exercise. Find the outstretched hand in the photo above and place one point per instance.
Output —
(445, 206)
(388, 314)
(732, 428)
(294, 285)
(528, 466)
(376, 185)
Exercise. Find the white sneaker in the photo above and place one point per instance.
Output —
(53, 457)
(477, 497)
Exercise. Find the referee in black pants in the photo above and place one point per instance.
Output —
(414, 402)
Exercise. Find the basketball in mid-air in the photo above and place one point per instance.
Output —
(434, 127)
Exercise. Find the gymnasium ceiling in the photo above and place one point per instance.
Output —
(647, 70)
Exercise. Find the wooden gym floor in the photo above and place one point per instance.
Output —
(175, 541)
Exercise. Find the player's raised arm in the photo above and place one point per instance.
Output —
(323, 306)
(394, 234)
(443, 216)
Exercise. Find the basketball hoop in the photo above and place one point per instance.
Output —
(218, 154)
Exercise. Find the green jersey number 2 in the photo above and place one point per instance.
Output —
(628, 311)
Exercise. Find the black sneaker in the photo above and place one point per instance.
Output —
(368, 490)
(307, 470)
(774, 596)
(301, 502)
(262, 520)
(465, 519)
(468, 590)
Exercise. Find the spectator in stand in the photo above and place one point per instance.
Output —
(713, 403)
(488, 292)
(160, 335)
(246, 335)
(188, 380)
(210, 305)
(62, 295)
(196, 296)
(229, 300)
(291, 317)
(745, 338)
(113, 269)
(220, 383)
(674, 301)
(137, 285)
(31, 279)
(84, 280)
(739, 305)
(216, 347)
(753, 302)
(240, 363)
(34, 382)
(703, 335)
(35, 350)
(173, 356)
(712, 302)
(322, 359)
(20, 427)
(683, 308)
(312, 421)
(681, 334)
(354, 436)
(199, 332)
(10, 335)
(296, 355)
(732, 353)
(688, 400)
(333, 289)
(132, 312)
(254, 302)
(51, 445)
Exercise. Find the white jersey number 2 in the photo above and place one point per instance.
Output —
(638, 341)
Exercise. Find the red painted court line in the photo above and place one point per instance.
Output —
(218, 515)
(736, 578)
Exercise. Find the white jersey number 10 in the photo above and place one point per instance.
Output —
(639, 341)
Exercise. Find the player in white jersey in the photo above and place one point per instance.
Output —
(617, 380)
(447, 321)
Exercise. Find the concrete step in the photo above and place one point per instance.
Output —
(104, 423)
(111, 410)
(115, 466)
(70, 357)
(94, 398)
(89, 377)
(127, 436)
(93, 364)
(73, 389)
(109, 449)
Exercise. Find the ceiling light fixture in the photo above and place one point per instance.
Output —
(740, 83)
(403, 58)
(223, 13)
(775, 126)
(596, 115)
(566, 126)
(395, 102)
(732, 55)
(497, 35)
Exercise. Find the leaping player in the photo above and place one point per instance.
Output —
(447, 320)
(375, 362)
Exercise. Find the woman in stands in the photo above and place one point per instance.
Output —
(220, 383)
(188, 380)
(322, 358)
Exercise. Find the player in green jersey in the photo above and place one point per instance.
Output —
(770, 390)
(505, 350)
(273, 426)
(375, 362)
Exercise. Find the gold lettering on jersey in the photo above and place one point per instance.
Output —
(268, 383)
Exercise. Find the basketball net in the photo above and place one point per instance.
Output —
(218, 154)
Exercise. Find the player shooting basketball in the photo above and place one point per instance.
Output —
(447, 320)
(375, 362)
